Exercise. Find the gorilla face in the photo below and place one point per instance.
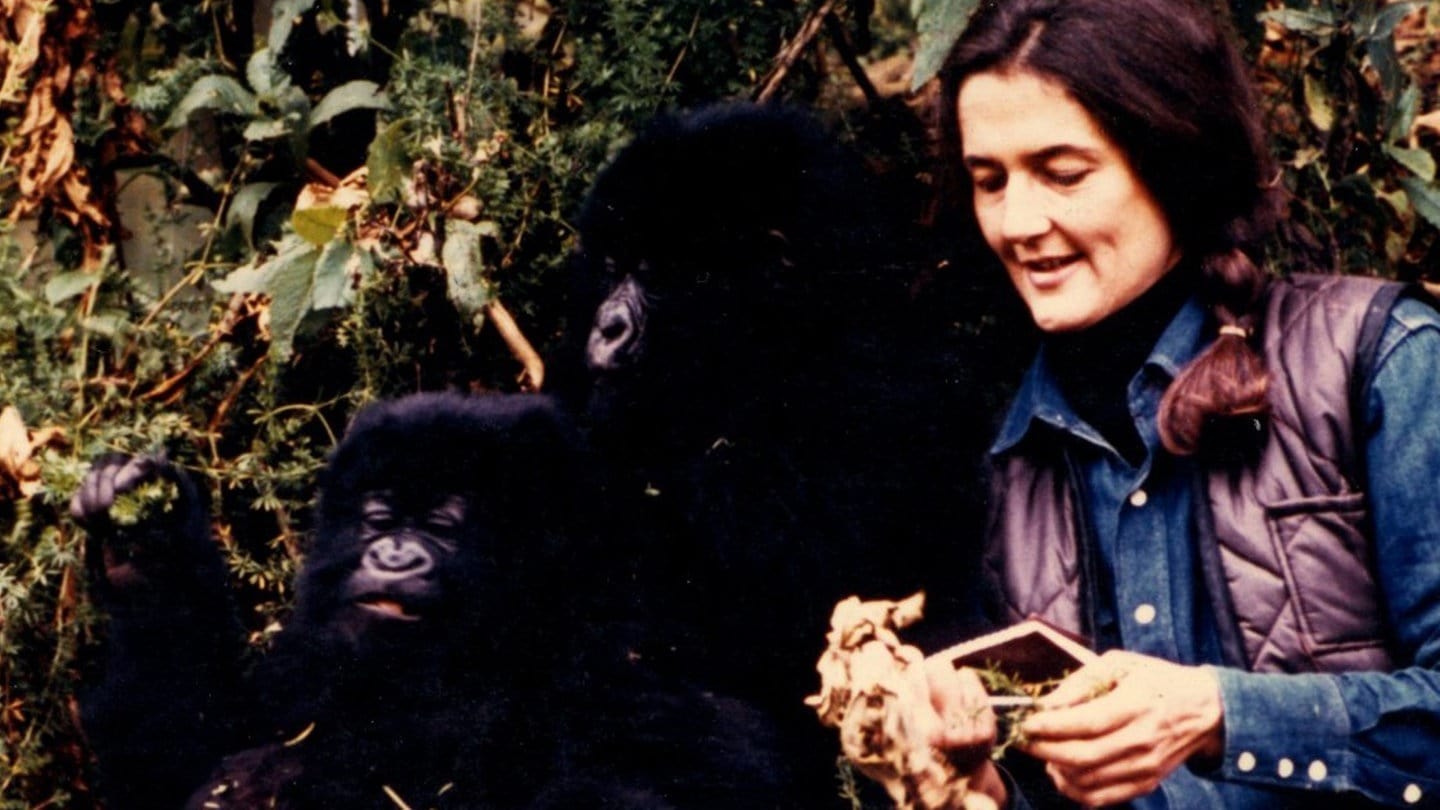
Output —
(398, 576)
(729, 246)
(435, 514)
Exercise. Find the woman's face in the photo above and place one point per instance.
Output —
(1058, 202)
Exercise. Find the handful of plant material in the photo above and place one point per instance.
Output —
(145, 502)
(869, 682)
(1018, 664)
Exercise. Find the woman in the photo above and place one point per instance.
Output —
(1227, 484)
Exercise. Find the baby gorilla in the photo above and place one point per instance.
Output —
(453, 644)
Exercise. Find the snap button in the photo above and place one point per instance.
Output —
(1246, 762)
(1318, 771)
(1285, 768)
(1412, 794)
(1145, 614)
(1139, 498)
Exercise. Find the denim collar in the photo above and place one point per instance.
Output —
(1039, 404)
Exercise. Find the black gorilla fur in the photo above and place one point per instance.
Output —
(783, 426)
(456, 641)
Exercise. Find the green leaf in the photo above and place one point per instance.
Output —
(214, 92)
(265, 76)
(288, 278)
(939, 24)
(1386, 63)
(64, 286)
(386, 164)
(245, 205)
(266, 129)
(318, 225)
(1402, 114)
(283, 16)
(1382, 23)
(1420, 162)
(1317, 104)
(465, 284)
(1425, 197)
(1319, 23)
(356, 95)
(340, 267)
(294, 108)
(248, 278)
(291, 284)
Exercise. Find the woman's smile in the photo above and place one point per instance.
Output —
(1052, 271)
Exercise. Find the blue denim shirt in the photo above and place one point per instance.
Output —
(1289, 739)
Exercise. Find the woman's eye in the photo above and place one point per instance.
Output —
(988, 182)
(1067, 179)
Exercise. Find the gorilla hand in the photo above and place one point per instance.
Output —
(145, 522)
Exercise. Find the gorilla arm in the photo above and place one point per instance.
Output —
(158, 714)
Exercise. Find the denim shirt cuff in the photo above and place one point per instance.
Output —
(1289, 731)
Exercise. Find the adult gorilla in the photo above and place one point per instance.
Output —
(453, 644)
(785, 434)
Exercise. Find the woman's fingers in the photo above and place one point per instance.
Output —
(1114, 729)
(962, 706)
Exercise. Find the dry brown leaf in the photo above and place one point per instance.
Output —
(23, 24)
(19, 470)
(873, 690)
(47, 52)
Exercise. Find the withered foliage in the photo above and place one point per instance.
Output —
(873, 689)
(48, 54)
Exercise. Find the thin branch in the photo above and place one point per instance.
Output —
(319, 172)
(532, 377)
(684, 49)
(792, 50)
(851, 60)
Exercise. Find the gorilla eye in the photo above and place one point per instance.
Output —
(376, 514)
(442, 521)
(447, 517)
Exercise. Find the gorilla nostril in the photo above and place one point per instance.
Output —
(614, 329)
(392, 558)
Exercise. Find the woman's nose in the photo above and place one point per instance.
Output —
(1025, 214)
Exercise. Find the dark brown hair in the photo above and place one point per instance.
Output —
(1163, 80)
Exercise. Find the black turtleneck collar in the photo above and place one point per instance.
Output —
(1094, 366)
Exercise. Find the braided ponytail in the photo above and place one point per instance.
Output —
(1224, 389)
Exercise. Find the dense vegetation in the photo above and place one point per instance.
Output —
(230, 222)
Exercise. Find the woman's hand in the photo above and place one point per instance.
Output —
(964, 725)
(1114, 729)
